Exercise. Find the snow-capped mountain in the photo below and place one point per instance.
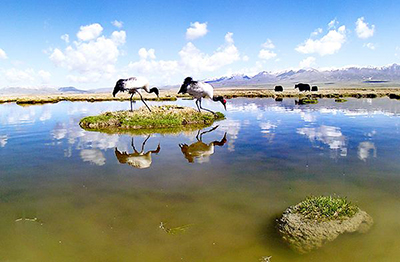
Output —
(353, 74)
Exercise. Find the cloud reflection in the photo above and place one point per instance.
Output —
(3, 140)
(364, 149)
(329, 135)
(93, 156)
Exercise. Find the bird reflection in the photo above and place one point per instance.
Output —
(199, 150)
(137, 159)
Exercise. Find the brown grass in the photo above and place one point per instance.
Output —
(171, 95)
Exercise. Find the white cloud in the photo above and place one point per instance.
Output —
(117, 23)
(327, 45)
(65, 37)
(94, 60)
(3, 54)
(268, 44)
(14, 75)
(118, 37)
(363, 30)
(370, 46)
(144, 54)
(89, 32)
(307, 62)
(44, 76)
(193, 60)
(266, 54)
(196, 30)
(317, 32)
(332, 24)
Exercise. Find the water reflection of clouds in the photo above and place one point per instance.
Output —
(250, 107)
(94, 156)
(3, 140)
(59, 131)
(232, 128)
(266, 127)
(364, 149)
(308, 117)
(329, 135)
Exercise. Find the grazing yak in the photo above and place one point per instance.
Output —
(314, 88)
(278, 88)
(302, 87)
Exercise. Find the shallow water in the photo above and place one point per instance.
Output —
(71, 195)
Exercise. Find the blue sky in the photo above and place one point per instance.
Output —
(91, 44)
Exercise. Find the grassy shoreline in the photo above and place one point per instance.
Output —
(171, 95)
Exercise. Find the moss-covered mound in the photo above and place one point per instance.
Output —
(305, 101)
(166, 118)
(324, 208)
(317, 220)
(340, 100)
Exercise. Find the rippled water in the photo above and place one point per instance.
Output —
(71, 195)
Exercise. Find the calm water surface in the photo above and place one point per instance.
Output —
(71, 195)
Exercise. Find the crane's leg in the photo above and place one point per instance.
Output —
(197, 104)
(143, 101)
(208, 131)
(133, 146)
(144, 143)
(205, 108)
(197, 136)
(130, 99)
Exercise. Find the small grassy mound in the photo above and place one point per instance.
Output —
(160, 117)
(340, 100)
(325, 208)
(304, 101)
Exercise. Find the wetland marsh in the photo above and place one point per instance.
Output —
(67, 194)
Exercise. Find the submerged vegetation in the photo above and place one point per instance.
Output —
(162, 118)
(323, 208)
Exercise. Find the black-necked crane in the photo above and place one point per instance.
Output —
(199, 90)
(137, 159)
(134, 85)
(199, 150)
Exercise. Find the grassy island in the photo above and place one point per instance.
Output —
(166, 118)
(319, 219)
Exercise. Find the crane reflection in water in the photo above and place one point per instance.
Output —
(200, 151)
(137, 159)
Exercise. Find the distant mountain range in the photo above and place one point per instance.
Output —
(355, 76)
(385, 75)
(45, 91)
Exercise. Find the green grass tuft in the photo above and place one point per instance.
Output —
(325, 208)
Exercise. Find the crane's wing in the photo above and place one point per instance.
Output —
(201, 89)
(136, 82)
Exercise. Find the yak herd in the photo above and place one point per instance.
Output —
(302, 88)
